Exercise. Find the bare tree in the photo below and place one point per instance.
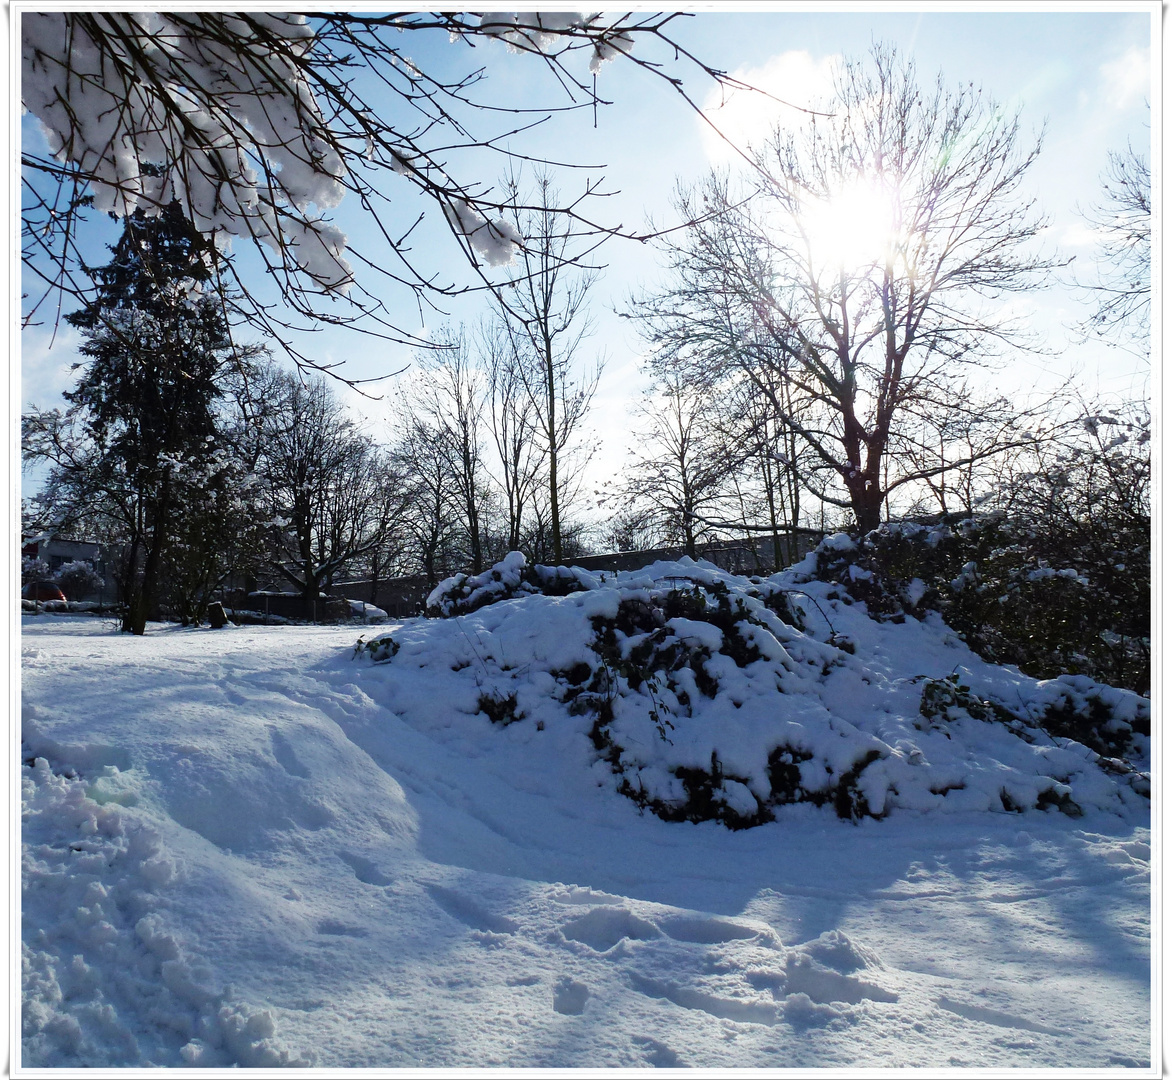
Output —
(428, 518)
(856, 271)
(448, 396)
(1122, 290)
(512, 421)
(982, 433)
(778, 457)
(259, 124)
(544, 317)
(390, 554)
(318, 473)
(680, 472)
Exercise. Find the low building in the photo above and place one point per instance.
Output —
(55, 552)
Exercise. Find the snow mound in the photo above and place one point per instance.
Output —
(707, 696)
(105, 984)
(512, 576)
(360, 609)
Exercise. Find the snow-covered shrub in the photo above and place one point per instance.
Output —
(78, 578)
(1114, 723)
(1109, 721)
(704, 696)
(946, 699)
(379, 649)
(512, 576)
(673, 654)
(1014, 595)
(894, 570)
(33, 569)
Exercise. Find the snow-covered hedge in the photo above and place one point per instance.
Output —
(707, 696)
(1014, 595)
(78, 578)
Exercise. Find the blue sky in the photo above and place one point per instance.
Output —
(1082, 76)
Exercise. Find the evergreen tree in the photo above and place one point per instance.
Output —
(143, 413)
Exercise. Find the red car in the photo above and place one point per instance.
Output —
(41, 590)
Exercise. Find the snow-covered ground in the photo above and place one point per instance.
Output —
(254, 847)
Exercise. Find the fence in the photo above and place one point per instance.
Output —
(403, 597)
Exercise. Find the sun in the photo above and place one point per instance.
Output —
(852, 230)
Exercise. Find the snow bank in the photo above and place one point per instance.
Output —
(96, 958)
(709, 696)
(263, 847)
(512, 576)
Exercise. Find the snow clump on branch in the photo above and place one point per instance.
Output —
(495, 241)
(152, 107)
(221, 112)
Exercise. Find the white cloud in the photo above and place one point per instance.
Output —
(1126, 80)
(1078, 234)
(46, 364)
(745, 117)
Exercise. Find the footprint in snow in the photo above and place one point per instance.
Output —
(469, 912)
(604, 927)
(745, 1011)
(706, 931)
(570, 997)
(334, 928)
(658, 1054)
(819, 973)
(995, 1017)
(364, 870)
(285, 755)
(824, 986)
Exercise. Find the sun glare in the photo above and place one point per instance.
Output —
(852, 230)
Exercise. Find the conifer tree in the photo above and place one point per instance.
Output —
(142, 423)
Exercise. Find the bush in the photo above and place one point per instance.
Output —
(78, 579)
(712, 697)
(644, 654)
(33, 569)
(1053, 604)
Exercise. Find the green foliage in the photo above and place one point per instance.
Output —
(948, 698)
(379, 649)
(154, 344)
(1052, 598)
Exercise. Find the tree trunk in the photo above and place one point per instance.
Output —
(555, 522)
(127, 584)
(772, 493)
(144, 596)
(867, 504)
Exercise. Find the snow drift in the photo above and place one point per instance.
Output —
(710, 696)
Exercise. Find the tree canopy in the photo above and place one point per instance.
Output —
(855, 267)
(259, 125)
